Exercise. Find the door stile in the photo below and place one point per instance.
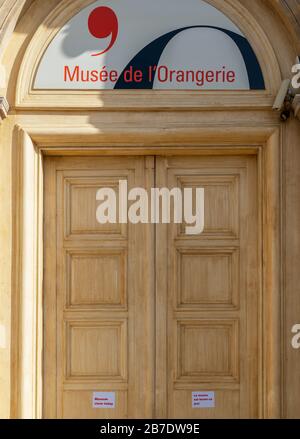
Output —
(161, 294)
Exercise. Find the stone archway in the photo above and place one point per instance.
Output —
(17, 29)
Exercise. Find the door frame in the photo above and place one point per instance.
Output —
(32, 141)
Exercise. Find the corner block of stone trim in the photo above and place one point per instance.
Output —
(4, 107)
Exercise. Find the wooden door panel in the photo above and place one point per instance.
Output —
(97, 316)
(80, 190)
(207, 350)
(221, 203)
(87, 269)
(207, 277)
(209, 292)
(96, 350)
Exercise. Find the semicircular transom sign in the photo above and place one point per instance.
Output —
(142, 44)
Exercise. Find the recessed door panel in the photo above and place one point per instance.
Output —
(97, 302)
(208, 293)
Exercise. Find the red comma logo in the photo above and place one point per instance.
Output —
(103, 23)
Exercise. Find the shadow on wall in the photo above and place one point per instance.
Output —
(95, 38)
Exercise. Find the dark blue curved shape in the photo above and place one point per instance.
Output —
(151, 54)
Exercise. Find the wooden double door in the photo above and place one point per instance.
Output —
(144, 313)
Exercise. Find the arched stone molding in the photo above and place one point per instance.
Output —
(275, 22)
(26, 97)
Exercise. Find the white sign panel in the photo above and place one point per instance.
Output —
(104, 400)
(142, 44)
(201, 400)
